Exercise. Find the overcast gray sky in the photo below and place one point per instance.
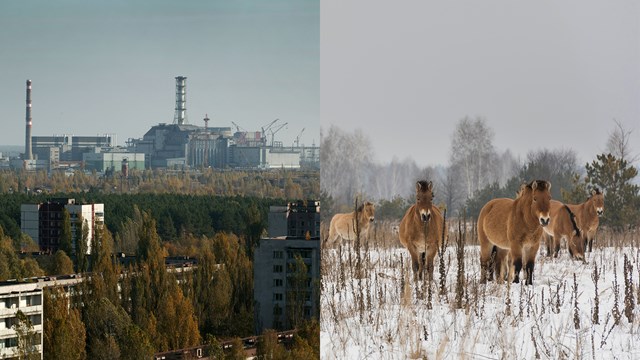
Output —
(545, 74)
(109, 66)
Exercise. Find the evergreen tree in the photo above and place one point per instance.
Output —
(621, 197)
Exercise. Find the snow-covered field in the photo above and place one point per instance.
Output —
(372, 308)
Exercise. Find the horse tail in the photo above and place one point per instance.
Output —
(572, 216)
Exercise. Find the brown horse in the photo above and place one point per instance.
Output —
(564, 225)
(588, 214)
(343, 226)
(586, 218)
(514, 225)
(421, 230)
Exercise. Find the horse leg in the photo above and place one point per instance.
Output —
(516, 258)
(431, 253)
(530, 260)
(557, 238)
(487, 250)
(549, 244)
(498, 263)
(415, 263)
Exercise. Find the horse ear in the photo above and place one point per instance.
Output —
(593, 192)
(549, 186)
(418, 186)
(430, 186)
(534, 185)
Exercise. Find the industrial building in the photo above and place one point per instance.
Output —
(112, 161)
(26, 298)
(43, 222)
(277, 290)
(178, 145)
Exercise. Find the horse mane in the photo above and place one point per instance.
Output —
(572, 216)
(540, 184)
(361, 207)
(597, 190)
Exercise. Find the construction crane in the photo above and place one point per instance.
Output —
(278, 128)
(298, 138)
(238, 128)
(266, 128)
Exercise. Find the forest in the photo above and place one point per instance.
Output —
(133, 311)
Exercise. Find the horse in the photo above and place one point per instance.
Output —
(514, 225)
(421, 230)
(564, 225)
(347, 226)
(588, 216)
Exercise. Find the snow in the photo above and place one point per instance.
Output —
(380, 312)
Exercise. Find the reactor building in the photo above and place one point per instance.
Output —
(179, 145)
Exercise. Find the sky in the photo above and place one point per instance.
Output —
(544, 74)
(110, 67)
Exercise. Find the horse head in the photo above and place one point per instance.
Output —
(597, 201)
(541, 200)
(424, 199)
(367, 212)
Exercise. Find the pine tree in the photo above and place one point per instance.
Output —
(621, 197)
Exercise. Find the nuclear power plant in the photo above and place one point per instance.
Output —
(179, 145)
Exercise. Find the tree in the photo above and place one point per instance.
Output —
(473, 153)
(268, 347)
(452, 189)
(557, 166)
(618, 144)
(344, 158)
(62, 264)
(82, 237)
(214, 348)
(27, 338)
(621, 197)
(237, 350)
(65, 233)
(297, 290)
(63, 330)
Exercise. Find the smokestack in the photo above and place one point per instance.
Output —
(181, 100)
(27, 146)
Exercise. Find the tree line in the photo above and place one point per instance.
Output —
(477, 173)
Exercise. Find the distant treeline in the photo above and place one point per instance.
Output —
(175, 214)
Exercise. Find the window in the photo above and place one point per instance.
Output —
(277, 268)
(277, 282)
(277, 296)
(307, 311)
(277, 254)
(277, 310)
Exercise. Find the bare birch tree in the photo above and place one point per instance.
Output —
(618, 144)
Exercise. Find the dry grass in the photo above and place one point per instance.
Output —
(372, 308)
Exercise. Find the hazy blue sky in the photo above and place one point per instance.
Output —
(109, 67)
(548, 74)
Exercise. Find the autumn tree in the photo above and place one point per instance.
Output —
(62, 264)
(27, 337)
(268, 347)
(63, 330)
(82, 237)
